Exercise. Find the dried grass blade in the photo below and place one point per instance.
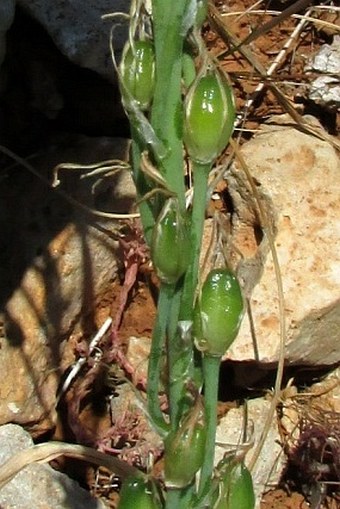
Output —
(265, 223)
(44, 453)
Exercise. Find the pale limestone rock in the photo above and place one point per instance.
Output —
(297, 178)
(137, 355)
(55, 264)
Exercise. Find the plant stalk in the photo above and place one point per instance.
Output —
(179, 498)
(211, 367)
(156, 354)
(201, 173)
(166, 112)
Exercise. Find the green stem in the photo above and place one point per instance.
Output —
(211, 366)
(173, 499)
(166, 113)
(180, 354)
(177, 364)
(145, 208)
(179, 498)
(201, 173)
(156, 354)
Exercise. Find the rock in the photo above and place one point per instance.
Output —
(81, 34)
(270, 463)
(325, 90)
(38, 485)
(137, 355)
(7, 8)
(297, 178)
(55, 264)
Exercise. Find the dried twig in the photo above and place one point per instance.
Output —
(282, 55)
(134, 253)
(82, 360)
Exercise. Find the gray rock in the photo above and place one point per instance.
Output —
(297, 177)
(79, 31)
(325, 90)
(38, 485)
(7, 9)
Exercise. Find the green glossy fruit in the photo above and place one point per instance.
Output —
(138, 72)
(218, 313)
(138, 493)
(170, 243)
(184, 454)
(236, 489)
(209, 116)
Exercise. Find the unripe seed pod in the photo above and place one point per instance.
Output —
(209, 115)
(138, 493)
(236, 489)
(138, 72)
(218, 313)
(170, 243)
(184, 452)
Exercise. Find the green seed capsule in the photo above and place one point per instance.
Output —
(170, 243)
(139, 493)
(218, 313)
(209, 116)
(184, 453)
(236, 489)
(138, 72)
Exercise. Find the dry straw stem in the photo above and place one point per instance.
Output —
(93, 346)
(106, 215)
(44, 453)
(320, 23)
(280, 58)
(265, 223)
(263, 29)
(105, 168)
